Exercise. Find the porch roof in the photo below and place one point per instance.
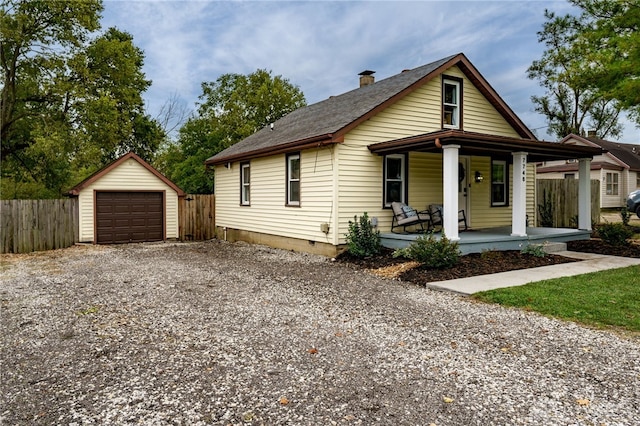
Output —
(472, 143)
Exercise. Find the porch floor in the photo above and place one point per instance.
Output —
(500, 239)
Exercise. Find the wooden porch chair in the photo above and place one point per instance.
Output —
(404, 216)
(437, 216)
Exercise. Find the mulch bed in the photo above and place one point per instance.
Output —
(490, 262)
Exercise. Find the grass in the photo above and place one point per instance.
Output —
(601, 299)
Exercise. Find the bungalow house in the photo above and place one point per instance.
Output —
(618, 169)
(436, 134)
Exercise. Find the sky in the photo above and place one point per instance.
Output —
(321, 46)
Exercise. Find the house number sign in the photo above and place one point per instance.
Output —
(523, 160)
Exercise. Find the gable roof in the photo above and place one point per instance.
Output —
(626, 154)
(327, 122)
(75, 191)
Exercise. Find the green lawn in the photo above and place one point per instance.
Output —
(602, 299)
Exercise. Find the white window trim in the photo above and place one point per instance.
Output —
(456, 106)
(290, 180)
(613, 179)
(402, 180)
(245, 196)
(504, 183)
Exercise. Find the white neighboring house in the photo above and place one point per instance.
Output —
(618, 169)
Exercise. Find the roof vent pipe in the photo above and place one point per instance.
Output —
(366, 78)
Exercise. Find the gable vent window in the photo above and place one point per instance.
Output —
(451, 104)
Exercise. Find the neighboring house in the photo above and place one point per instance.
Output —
(618, 169)
(436, 134)
(127, 201)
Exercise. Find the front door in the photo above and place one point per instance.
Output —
(463, 185)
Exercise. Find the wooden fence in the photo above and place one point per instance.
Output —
(563, 197)
(33, 225)
(197, 215)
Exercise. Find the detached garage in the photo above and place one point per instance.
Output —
(127, 201)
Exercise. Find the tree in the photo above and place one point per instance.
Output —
(71, 98)
(570, 103)
(610, 40)
(230, 109)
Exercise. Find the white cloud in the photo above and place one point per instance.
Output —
(321, 46)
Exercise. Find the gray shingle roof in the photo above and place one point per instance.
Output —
(329, 116)
(625, 152)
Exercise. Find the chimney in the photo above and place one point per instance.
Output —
(366, 78)
(592, 134)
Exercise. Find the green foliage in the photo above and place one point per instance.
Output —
(545, 210)
(71, 97)
(239, 105)
(625, 215)
(431, 252)
(362, 239)
(232, 108)
(607, 298)
(610, 43)
(536, 250)
(615, 234)
(570, 102)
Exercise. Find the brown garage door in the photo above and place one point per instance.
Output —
(127, 217)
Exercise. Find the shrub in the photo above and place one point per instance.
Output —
(536, 250)
(625, 215)
(615, 234)
(432, 253)
(362, 239)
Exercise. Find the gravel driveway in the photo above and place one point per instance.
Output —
(220, 333)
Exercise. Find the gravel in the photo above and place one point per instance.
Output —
(231, 334)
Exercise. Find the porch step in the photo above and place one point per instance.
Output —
(554, 247)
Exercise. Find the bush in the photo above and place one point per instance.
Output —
(362, 239)
(625, 215)
(615, 234)
(536, 250)
(432, 253)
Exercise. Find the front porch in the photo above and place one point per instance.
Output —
(476, 241)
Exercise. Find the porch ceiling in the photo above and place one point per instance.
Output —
(485, 145)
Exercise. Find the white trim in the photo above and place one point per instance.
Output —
(519, 206)
(290, 180)
(401, 179)
(450, 160)
(584, 194)
(455, 119)
(245, 186)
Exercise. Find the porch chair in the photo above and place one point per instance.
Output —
(404, 216)
(438, 218)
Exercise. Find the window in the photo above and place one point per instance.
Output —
(293, 179)
(245, 184)
(451, 104)
(499, 174)
(612, 183)
(570, 176)
(394, 179)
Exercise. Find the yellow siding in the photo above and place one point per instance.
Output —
(128, 176)
(360, 174)
(478, 114)
(267, 213)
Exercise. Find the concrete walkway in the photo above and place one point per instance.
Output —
(589, 263)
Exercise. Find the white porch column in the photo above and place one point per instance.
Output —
(519, 207)
(584, 194)
(450, 191)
